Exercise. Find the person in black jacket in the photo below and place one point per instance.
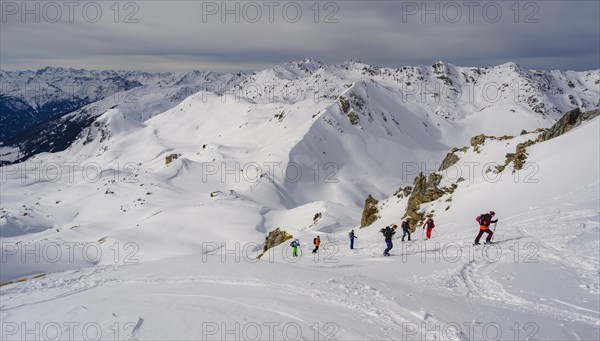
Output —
(388, 233)
(484, 227)
(405, 229)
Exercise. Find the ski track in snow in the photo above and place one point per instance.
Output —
(479, 286)
(353, 293)
(560, 252)
(474, 277)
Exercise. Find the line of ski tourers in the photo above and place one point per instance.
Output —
(484, 220)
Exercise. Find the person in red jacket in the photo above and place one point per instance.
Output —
(429, 224)
(484, 226)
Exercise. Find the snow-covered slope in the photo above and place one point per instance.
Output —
(540, 281)
(351, 130)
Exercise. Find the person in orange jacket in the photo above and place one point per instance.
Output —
(317, 242)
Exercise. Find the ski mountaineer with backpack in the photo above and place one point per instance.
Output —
(388, 233)
(317, 242)
(484, 221)
(295, 243)
(429, 224)
(405, 229)
(352, 237)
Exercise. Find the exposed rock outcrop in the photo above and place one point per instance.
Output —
(352, 106)
(403, 192)
(370, 212)
(171, 158)
(275, 238)
(451, 158)
(425, 190)
(317, 217)
(518, 157)
(477, 141)
(569, 121)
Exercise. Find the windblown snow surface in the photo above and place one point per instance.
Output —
(116, 244)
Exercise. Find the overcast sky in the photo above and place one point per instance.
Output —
(203, 35)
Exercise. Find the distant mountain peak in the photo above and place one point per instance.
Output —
(310, 61)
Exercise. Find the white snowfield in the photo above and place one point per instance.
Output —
(115, 244)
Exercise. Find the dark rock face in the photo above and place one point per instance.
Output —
(352, 106)
(425, 190)
(451, 158)
(275, 238)
(170, 158)
(518, 157)
(569, 121)
(317, 217)
(370, 211)
(403, 192)
(448, 161)
(344, 105)
(477, 141)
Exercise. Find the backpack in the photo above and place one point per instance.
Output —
(315, 241)
(481, 218)
(430, 224)
(292, 244)
(389, 233)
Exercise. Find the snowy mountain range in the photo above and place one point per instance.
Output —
(44, 111)
(30, 97)
(176, 191)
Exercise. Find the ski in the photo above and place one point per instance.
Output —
(492, 243)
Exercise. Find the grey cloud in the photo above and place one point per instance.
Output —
(170, 36)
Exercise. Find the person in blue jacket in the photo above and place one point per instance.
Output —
(352, 237)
